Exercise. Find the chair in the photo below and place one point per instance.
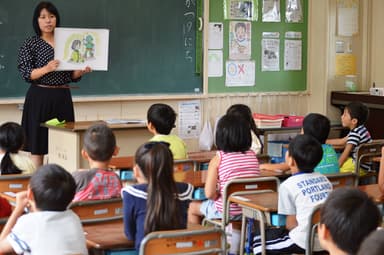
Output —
(365, 153)
(243, 186)
(342, 179)
(95, 211)
(312, 229)
(14, 182)
(185, 241)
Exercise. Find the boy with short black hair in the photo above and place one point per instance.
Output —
(354, 117)
(346, 218)
(298, 195)
(58, 229)
(160, 121)
(98, 182)
(317, 126)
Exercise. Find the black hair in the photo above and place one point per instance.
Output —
(162, 117)
(373, 244)
(306, 151)
(11, 140)
(243, 111)
(36, 14)
(155, 161)
(358, 111)
(53, 188)
(318, 126)
(233, 134)
(99, 142)
(240, 24)
(349, 215)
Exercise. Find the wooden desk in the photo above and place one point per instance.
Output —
(256, 206)
(107, 235)
(374, 192)
(66, 141)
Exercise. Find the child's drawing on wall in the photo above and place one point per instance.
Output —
(239, 40)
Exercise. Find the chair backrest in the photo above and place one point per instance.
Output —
(246, 186)
(14, 182)
(342, 179)
(312, 229)
(366, 152)
(93, 211)
(184, 241)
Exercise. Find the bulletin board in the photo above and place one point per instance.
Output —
(265, 81)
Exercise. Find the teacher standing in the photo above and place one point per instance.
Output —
(49, 95)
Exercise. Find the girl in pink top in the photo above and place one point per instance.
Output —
(234, 159)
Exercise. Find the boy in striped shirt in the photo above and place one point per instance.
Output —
(354, 117)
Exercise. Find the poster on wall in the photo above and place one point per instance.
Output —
(239, 73)
(77, 48)
(240, 9)
(292, 55)
(270, 49)
(215, 63)
(347, 17)
(271, 11)
(294, 11)
(239, 40)
(215, 36)
(189, 119)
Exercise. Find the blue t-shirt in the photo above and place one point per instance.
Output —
(135, 209)
(329, 164)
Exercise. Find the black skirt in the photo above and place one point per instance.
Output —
(42, 104)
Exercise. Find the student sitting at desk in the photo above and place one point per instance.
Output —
(49, 227)
(317, 126)
(157, 202)
(354, 117)
(234, 159)
(161, 120)
(298, 195)
(11, 141)
(346, 218)
(243, 111)
(98, 182)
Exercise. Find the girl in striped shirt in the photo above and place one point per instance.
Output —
(234, 159)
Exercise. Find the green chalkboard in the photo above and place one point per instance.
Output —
(264, 81)
(152, 45)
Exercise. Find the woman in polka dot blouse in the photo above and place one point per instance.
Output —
(48, 95)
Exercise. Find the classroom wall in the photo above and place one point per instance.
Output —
(321, 81)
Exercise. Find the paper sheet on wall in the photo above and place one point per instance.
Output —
(292, 55)
(347, 17)
(189, 119)
(215, 63)
(271, 11)
(345, 64)
(240, 73)
(215, 38)
(270, 55)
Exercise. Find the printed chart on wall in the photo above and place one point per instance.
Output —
(189, 119)
(257, 54)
